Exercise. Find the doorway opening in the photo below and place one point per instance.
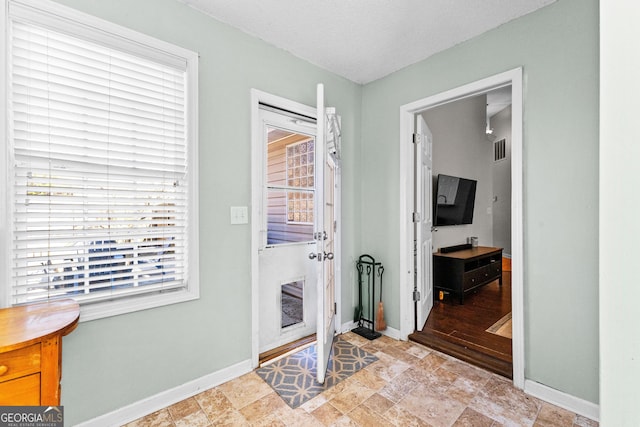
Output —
(295, 227)
(287, 277)
(472, 187)
(408, 114)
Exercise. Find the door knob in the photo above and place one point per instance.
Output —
(328, 255)
(314, 255)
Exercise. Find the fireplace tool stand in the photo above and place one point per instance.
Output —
(368, 269)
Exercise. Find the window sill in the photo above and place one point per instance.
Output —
(105, 309)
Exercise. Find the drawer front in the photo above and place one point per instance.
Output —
(20, 362)
(23, 391)
(481, 275)
(473, 278)
(487, 273)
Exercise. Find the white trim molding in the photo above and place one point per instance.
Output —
(389, 332)
(563, 400)
(168, 397)
(346, 327)
(407, 122)
(5, 264)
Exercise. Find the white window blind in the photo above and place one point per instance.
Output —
(100, 179)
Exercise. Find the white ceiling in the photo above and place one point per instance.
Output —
(497, 100)
(364, 40)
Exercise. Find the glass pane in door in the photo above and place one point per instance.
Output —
(292, 303)
(290, 182)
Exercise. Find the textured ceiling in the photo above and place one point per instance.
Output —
(364, 40)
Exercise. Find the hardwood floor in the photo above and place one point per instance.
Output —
(460, 330)
(285, 349)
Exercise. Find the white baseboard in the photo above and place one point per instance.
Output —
(166, 398)
(563, 400)
(390, 332)
(346, 327)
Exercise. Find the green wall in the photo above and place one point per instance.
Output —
(557, 47)
(113, 362)
(110, 363)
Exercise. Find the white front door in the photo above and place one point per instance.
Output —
(423, 291)
(325, 243)
(290, 190)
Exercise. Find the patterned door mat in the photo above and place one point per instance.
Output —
(294, 377)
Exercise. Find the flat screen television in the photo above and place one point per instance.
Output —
(454, 201)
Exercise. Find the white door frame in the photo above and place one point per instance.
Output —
(259, 97)
(407, 113)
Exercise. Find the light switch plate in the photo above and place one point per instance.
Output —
(239, 215)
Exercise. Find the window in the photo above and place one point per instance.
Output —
(300, 161)
(102, 177)
(289, 176)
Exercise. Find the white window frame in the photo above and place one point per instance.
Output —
(97, 30)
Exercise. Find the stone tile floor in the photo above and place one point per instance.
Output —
(409, 385)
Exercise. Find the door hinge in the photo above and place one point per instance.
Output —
(416, 295)
(416, 217)
(335, 226)
(416, 138)
(335, 307)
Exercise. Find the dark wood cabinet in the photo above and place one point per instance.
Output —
(464, 270)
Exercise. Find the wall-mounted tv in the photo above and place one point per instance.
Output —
(454, 201)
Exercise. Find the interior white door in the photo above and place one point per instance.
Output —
(325, 238)
(287, 280)
(423, 290)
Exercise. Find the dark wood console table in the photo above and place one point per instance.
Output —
(462, 271)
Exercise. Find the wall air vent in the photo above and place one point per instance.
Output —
(499, 150)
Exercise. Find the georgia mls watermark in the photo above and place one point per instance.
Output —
(31, 416)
